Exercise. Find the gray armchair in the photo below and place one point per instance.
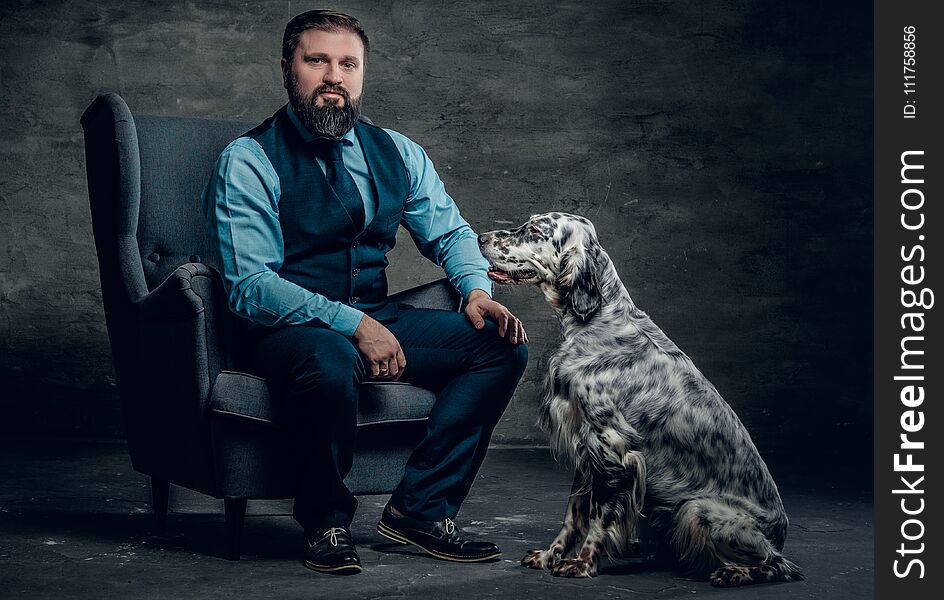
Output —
(192, 418)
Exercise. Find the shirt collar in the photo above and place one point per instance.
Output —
(348, 138)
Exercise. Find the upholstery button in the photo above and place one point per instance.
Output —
(355, 272)
(154, 257)
(354, 299)
(354, 245)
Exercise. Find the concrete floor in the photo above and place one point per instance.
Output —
(75, 523)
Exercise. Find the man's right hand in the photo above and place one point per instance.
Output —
(381, 349)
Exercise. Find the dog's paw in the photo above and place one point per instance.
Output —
(533, 559)
(732, 576)
(573, 567)
(538, 559)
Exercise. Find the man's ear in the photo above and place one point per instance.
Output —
(285, 67)
(578, 280)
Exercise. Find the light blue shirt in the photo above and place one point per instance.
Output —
(241, 204)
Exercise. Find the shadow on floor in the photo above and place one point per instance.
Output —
(75, 522)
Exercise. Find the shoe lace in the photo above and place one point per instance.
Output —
(333, 532)
(450, 526)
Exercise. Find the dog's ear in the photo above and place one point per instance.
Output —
(578, 281)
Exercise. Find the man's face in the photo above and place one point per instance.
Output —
(325, 80)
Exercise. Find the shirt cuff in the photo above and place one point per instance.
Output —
(346, 320)
(475, 282)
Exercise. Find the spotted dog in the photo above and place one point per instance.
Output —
(657, 452)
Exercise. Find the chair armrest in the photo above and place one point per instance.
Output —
(436, 294)
(179, 349)
(181, 296)
(184, 325)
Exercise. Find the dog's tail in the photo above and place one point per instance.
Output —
(787, 570)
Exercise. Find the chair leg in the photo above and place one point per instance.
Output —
(160, 491)
(235, 510)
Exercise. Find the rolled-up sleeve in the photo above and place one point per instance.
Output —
(240, 203)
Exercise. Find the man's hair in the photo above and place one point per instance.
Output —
(324, 20)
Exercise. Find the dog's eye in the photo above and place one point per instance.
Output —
(534, 230)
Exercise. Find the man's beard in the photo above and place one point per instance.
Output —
(329, 120)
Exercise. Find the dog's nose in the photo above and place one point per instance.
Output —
(482, 238)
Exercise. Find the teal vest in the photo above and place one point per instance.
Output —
(324, 252)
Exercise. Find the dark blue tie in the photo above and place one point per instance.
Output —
(340, 179)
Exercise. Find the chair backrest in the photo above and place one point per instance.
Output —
(146, 176)
(177, 155)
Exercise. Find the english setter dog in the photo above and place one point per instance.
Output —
(658, 454)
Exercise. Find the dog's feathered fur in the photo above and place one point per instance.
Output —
(653, 444)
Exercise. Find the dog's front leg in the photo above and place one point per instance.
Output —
(575, 525)
(587, 560)
(615, 506)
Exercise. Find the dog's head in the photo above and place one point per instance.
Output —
(556, 251)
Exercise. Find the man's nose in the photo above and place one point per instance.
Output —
(333, 74)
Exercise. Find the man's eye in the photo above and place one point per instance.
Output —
(350, 66)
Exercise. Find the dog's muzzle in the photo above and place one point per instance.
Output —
(500, 271)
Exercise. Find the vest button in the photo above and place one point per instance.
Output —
(354, 299)
(355, 272)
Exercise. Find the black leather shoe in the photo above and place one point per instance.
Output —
(437, 538)
(332, 551)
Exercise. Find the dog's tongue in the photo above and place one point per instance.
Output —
(499, 276)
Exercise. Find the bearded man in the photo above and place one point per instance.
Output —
(303, 209)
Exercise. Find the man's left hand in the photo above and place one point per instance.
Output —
(479, 306)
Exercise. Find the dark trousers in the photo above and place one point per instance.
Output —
(317, 371)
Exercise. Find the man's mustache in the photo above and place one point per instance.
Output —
(332, 89)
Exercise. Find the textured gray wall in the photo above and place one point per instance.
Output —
(723, 149)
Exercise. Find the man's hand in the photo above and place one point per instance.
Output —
(479, 306)
(381, 349)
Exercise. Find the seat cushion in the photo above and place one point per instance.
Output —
(247, 398)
